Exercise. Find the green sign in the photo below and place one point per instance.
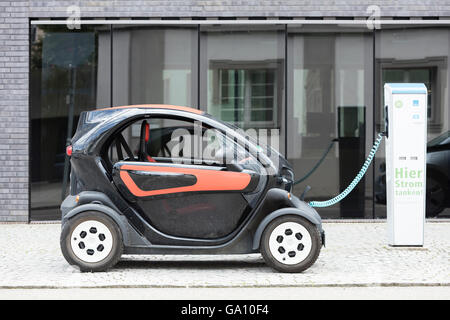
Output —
(408, 182)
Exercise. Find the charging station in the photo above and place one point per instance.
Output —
(406, 133)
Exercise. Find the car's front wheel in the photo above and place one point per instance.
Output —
(290, 244)
(92, 241)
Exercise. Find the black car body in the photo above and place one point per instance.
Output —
(438, 176)
(162, 205)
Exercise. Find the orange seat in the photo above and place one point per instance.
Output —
(145, 138)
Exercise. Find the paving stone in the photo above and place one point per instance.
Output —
(356, 255)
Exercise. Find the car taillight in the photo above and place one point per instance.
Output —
(69, 150)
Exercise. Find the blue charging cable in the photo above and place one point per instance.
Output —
(352, 185)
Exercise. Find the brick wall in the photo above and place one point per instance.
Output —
(14, 24)
(14, 111)
(241, 8)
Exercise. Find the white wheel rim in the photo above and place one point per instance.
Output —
(91, 241)
(290, 243)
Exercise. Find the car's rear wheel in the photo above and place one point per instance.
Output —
(92, 241)
(290, 244)
(436, 196)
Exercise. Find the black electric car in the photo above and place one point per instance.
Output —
(162, 179)
(438, 177)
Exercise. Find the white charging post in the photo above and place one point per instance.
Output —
(406, 124)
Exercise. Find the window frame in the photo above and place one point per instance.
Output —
(435, 124)
(276, 65)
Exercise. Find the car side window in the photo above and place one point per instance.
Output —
(117, 150)
(156, 139)
(189, 142)
(175, 140)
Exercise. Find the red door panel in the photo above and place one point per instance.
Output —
(206, 179)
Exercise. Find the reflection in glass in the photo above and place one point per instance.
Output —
(329, 97)
(417, 56)
(154, 65)
(65, 80)
(242, 72)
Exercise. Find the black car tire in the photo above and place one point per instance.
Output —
(115, 248)
(308, 261)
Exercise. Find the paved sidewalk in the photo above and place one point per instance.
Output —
(356, 255)
(253, 293)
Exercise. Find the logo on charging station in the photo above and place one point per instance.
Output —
(415, 103)
(398, 104)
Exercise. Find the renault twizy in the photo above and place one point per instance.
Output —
(162, 179)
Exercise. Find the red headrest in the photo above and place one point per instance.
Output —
(147, 132)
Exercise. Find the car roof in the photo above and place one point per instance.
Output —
(154, 106)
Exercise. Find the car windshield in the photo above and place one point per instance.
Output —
(261, 145)
(441, 140)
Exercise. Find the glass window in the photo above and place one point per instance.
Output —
(330, 97)
(155, 65)
(242, 73)
(160, 137)
(417, 55)
(174, 140)
(329, 109)
(69, 73)
(414, 74)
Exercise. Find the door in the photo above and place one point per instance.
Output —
(183, 194)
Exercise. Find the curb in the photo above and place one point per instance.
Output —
(325, 285)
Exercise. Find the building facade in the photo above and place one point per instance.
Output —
(312, 70)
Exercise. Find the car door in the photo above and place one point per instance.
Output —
(193, 200)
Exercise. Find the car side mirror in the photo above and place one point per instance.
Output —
(234, 167)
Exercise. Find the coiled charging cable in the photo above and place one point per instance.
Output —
(352, 185)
